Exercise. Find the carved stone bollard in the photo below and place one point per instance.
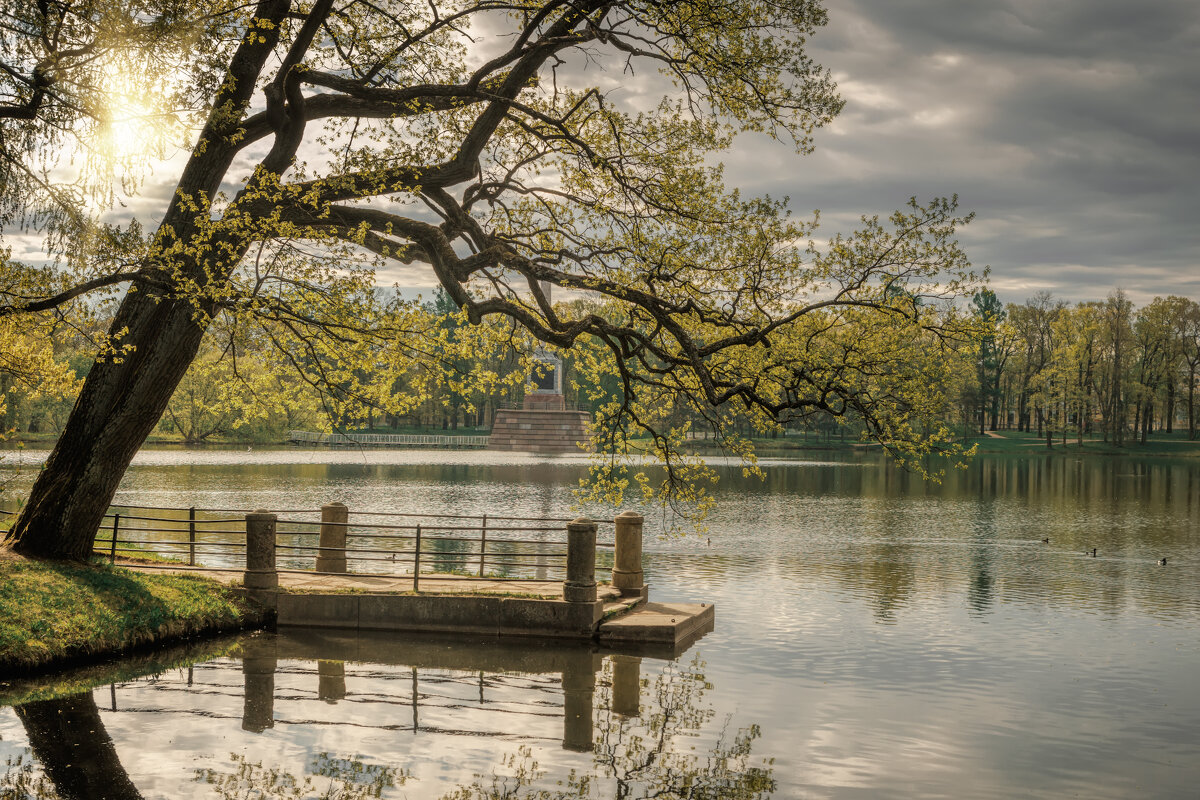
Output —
(260, 551)
(627, 573)
(332, 555)
(580, 585)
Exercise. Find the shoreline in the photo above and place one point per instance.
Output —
(992, 443)
(60, 616)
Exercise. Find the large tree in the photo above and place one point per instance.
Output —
(499, 144)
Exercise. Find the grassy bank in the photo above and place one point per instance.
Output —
(84, 678)
(53, 614)
(1159, 444)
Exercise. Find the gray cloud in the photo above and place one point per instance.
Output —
(1070, 128)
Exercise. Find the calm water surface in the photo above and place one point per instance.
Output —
(876, 637)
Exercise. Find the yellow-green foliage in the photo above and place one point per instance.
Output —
(53, 611)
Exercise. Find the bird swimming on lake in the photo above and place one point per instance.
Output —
(1092, 554)
(1046, 540)
(1162, 562)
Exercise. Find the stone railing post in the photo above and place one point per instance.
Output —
(332, 555)
(580, 585)
(258, 675)
(626, 685)
(331, 681)
(627, 559)
(260, 551)
(579, 689)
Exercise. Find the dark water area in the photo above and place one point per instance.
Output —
(877, 636)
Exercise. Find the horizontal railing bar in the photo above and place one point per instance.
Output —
(382, 526)
(256, 510)
(123, 540)
(345, 549)
(472, 540)
(239, 531)
(357, 513)
(351, 525)
(473, 557)
(406, 575)
(356, 536)
(177, 519)
(219, 510)
(471, 516)
(553, 554)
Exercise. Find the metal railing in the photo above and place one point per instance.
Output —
(388, 440)
(469, 547)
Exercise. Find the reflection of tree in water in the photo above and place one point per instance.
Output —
(638, 756)
(78, 761)
(20, 780)
(448, 554)
(641, 748)
(331, 779)
(77, 755)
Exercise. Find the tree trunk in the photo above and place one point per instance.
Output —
(1170, 413)
(1192, 404)
(125, 394)
(119, 405)
(1084, 418)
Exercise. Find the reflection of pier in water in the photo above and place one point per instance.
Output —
(491, 688)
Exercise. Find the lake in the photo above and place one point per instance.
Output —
(876, 636)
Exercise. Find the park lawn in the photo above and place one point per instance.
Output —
(56, 613)
(1019, 443)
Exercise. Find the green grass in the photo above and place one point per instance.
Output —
(131, 667)
(136, 553)
(1159, 444)
(53, 613)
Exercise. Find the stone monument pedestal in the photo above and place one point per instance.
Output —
(539, 430)
(542, 424)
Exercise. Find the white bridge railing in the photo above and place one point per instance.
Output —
(387, 440)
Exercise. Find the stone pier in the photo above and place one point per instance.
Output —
(577, 608)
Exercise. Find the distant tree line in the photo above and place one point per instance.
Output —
(1100, 368)
(1097, 368)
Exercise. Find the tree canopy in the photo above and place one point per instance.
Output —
(505, 146)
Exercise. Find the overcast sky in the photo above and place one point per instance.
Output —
(1071, 128)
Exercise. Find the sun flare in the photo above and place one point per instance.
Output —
(132, 126)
